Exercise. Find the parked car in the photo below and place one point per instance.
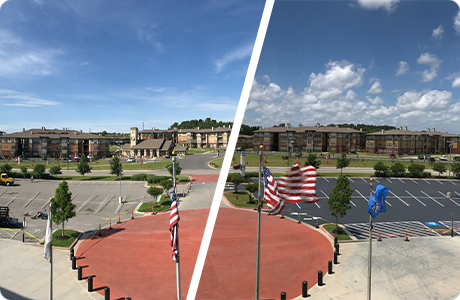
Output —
(236, 167)
(70, 159)
(392, 155)
(431, 159)
(427, 156)
(131, 159)
(76, 159)
(239, 149)
(443, 158)
(421, 157)
(89, 157)
(457, 158)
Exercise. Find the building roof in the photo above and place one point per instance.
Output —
(179, 149)
(53, 134)
(307, 128)
(244, 136)
(409, 132)
(149, 144)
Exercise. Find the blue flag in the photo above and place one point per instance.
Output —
(377, 201)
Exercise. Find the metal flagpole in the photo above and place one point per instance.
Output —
(369, 281)
(259, 204)
(177, 233)
(50, 216)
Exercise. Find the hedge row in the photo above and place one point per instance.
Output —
(150, 178)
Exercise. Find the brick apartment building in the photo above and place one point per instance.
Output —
(205, 137)
(55, 143)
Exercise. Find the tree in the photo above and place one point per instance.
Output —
(251, 188)
(62, 207)
(167, 184)
(343, 162)
(24, 171)
(115, 167)
(381, 170)
(339, 199)
(6, 168)
(83, 167)
(236, 179)
(456, 169)
(439, 167)
(313, 161)
(416, 170)
(155, 192)
(170, 169)
(39, 170)
(54, 170)
(398, 169)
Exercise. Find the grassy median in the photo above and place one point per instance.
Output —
(163, 204)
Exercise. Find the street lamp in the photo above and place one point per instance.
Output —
(450, 155)
(119, 168)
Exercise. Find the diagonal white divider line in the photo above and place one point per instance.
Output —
(413, 181)
(351, 179)
(401, 181)
(362, 196)
(397, 197)
(389, 180)
(432, 198)
(364, 180)
(230, 150)
(298, 206)
(439, 182)
(326, 179)
(426, 181)
(416, 198)
(449, 198)
(450, 182)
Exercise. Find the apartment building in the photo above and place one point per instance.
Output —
(205, 137)
(55, 143)
(309, 138)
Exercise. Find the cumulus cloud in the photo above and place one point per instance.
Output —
(403, 68)
(456, 82)
(14, 98)
(437, 33)
(376, 87)
(232, 56)
(434, 63)
(457, 23)
(376, 4)
(2, 2)
(374, 101)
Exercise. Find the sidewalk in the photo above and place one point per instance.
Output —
(423, 268)
(26, 274)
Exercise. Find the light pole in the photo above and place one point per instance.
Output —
(119, 168)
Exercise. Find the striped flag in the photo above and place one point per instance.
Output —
(173, 225)
(271, 195)
(48, 237)
(299, 185)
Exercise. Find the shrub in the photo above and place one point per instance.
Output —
(416, 170)
(6, 168)
(54, 170)
(139, 177)
(381, 170)
(398, 169)
(151, 178)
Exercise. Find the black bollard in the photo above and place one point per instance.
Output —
(320, 278)
(329, 267)
(304, 289)
(79, 276)
(128, 298)
(106, 293)
(283, 296)
(335, 241)
(337, 247)
(72, 252)
(451, 234)
(90, 283)
(74, 263)
(335, 258)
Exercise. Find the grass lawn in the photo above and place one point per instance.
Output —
(243, 197)
(88, 177)
(197, 150)
(340, 237)
(64, 243)
(163, 204)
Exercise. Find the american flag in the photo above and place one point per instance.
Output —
(299, 185)
(173, 225)
(271, 195)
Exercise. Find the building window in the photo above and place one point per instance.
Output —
(332, 142)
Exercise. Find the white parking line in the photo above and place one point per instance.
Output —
(401, 181)
(130, 183)
(80, 183)
(449, 198)
(389, 180)
(3, 193)
(426, 181)
(399, 198)
(416, 198)
(351, 179)
(364, 180)
(105, 183)
(317, 204)
(413, 181)
(439, 182)
(325, 194)
(450, 182)
(86, 202)
(326, 179)
(101, 207)
(432, 198)
(376, 180)
(362, 196)
(14, 198)
(298, 205)
(457, 193)
(94, 182)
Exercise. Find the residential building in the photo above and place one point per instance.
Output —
(244, 141)
(205, 137)
(54, 143)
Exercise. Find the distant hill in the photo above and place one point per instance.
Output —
(366, 128)
(207, 123)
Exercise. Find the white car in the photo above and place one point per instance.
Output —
(131, 159)
(443, 157)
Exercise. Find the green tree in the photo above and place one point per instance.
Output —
(83, 166)
(339, 199)
(313, 161)
(24, 171)
(62, 207)
(343, 162)
(167, 184)
(251, 188)
(170, 169)
(236, 179)
(55, 170)
(155, 192)
(398, 169)
(381, 170)
(39, 170)
(456, 169)
(416, 170)
(116, 168)
(439, 167)
(6, 168)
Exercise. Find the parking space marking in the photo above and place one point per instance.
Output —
(317, 205)
(416, 198)
(389, 180)
(376, 180)
(3, 193)
(364, 180)
(87, 202)
(105, 183)
(130, 183)
(413, 181)
(401, 181)
(27, 204)
(362, 196)
(448, 224)
(449, 198)
(351, 179)
(426, 181)
(80, 183)
(439, 182)
(94, 182)
(298, 205)
(326, 179)
(449, 181)
(432, 198)
(14, 198)
(457, 193)
(399, 198)
(391, 229)
(102, 206)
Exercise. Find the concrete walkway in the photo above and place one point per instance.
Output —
(423, 268)
(25, 274)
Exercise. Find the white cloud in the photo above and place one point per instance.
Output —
(14, 98)
(456, 82)
(84, 63)
(376, 87)
(457, 23)
(374, 101)
(437, 33)
(2, 2)
(403, 68)
(149, 35)
(376, 4)
(232, 56)
(434, 63)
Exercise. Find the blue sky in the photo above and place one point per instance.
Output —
(374, 62)
(111, 64)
